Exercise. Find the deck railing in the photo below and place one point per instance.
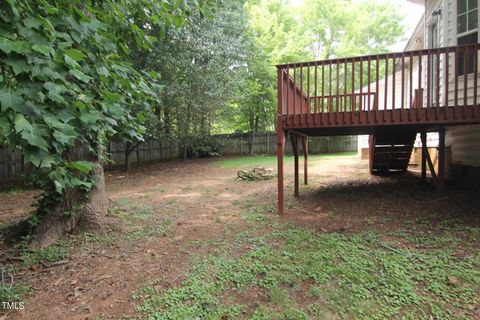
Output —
(431, 78)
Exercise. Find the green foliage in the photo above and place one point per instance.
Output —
(343, 28)
(67, 79)
(317, 29)
(201, 147)
(202, 67)
(13, 292)
(276, 26)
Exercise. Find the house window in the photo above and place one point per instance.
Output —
(467, 33)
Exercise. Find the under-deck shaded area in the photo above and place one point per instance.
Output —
(390, 97)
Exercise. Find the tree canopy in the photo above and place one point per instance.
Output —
(76, 74)
(68, 79)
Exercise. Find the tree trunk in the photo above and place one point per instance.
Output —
(128, 150)
(185, 149)
(251, 143)
(75, 211)
(167, 121)
(252, 133)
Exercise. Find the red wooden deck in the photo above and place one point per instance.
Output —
(384, 94)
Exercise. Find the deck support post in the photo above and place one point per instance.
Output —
(441, 160)
(281, 139)
(280, 153)
(305, 159)
(294, 139)
(423, 138)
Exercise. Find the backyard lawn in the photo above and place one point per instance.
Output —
(186, 240)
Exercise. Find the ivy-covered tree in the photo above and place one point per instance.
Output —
(68, 83)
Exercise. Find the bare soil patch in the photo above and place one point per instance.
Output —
(180, 204)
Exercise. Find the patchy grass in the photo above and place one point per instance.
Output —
(154, 228)
(132, 213)
(87, 241)
(140, 219)
(268, 161)
(12, 292)
(288, 272)
(415, 258)
(12, 192)
(53, 253)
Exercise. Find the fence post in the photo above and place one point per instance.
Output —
(22, 164)
(241, 145)
(138, 154)
(9, 163)
(161, 148)
(268, 142)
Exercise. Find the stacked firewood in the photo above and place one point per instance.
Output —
(257, 173)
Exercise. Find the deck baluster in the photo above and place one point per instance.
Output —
(410, 96)
(360, 107)
(465, 79)
(377, 86)
(337, 106)
(445, 108)
(369, 90)
(386, 89)
(429, 80)
(353, 102)
(475, 78)
(345, 85)
(456, 75)
(402, 103)
(394, 84)
(437, 84)
(307, 116)
(419, 106)
(323, 92)
(330, 100)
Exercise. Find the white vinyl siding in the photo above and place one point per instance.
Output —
(463, 140)
(447, 33)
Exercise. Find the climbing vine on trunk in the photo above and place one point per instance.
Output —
(68, 83)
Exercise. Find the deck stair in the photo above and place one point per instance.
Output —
(390, 152)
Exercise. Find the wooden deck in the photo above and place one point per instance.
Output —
(368, 122)
(396, 93)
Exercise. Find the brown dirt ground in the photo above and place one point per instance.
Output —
(201, 201)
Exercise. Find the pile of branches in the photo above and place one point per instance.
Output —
(257, 173)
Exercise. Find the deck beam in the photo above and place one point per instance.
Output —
(423, 138)
(305, 159)
(294, 138)
(441, 160)
(281, 137)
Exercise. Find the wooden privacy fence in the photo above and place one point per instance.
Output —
(266, 143)
(12, 166)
